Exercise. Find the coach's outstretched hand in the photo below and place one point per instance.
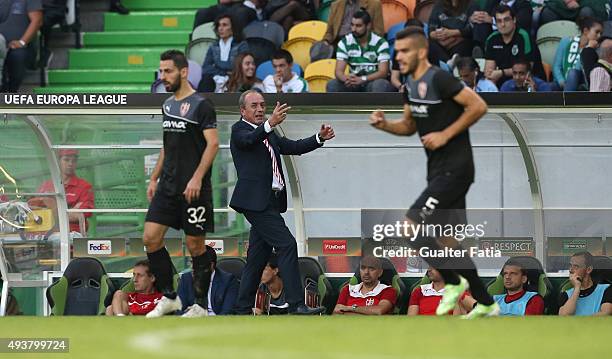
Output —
(377, 119)
(279, 114)
(326, 132)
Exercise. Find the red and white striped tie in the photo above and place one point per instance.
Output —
(275, 169)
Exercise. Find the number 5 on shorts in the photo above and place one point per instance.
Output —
(430, 206)
(196, 215)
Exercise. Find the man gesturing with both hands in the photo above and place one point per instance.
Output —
(261, 195)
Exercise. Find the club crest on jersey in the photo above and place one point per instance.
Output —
(369, 302)
(422, 89)
(185, 108)
(514, 50)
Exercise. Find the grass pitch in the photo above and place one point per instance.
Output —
(291, 337)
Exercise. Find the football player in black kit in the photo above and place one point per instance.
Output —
(182, 199)
(441, 109)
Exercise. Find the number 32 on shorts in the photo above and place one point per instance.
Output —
(196, 214)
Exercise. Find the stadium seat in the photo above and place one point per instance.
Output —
(268, 30)
(204, 31)
(261, 48)
(395, 11)
(234, 265)
(547, 71)
(308, 29)
(266, 68)
(300, 50)
(319, 73)
(311, 269)
(196, 49)
(388, 277)
(84, 289)
(536, 281)
(549, 35)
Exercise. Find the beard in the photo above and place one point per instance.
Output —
(172, 86)
(357, 35)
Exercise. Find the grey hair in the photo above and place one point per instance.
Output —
(605, 52)
(242, 99)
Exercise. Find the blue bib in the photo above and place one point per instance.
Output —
(516, 307)
(590, 304)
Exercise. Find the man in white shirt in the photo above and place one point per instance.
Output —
(283, 79)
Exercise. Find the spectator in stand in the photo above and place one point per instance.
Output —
(20, 22)
(242, 77)
(142, 300)
(341, 15)
(585, 297)
(505, 46)
(284, 79)
(524, 81)
(422, 13)
(573, 9)
(472, 77)
(370, 297)
(220, 56)
(516, 300)
(366, 54)
(450, 32)
(567, 68)
(290, 12)
(222, 291)
(425, 298)
(243, 12)
(484, 20)
(599, 77)
(79, 193)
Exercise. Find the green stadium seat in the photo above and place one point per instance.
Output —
(148, 5)
(196, 49)
(204, 31)
(84, 289)
(150, 21)
(388, 277)
(141, 38)
(537, 281)
(549, 35)
(311, 269)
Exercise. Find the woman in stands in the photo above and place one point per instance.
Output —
(243, 75)
(220, 56)
(450, 32)
(567, 69)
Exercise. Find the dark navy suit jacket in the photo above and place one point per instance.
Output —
(223, 293)
(254, 165)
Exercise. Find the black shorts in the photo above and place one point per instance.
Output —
(442, 202)
(195, 218)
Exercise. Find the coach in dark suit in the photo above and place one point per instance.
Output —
(260, 194)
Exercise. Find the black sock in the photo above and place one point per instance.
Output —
(442, 264)
(467, 269)
(201, 279)
(163, 269)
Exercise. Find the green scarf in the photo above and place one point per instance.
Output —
(571, 60)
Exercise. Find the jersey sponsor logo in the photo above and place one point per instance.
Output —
(334, 246)
(419, 110)
(99, 247)
(422, 89)
(216, 244)
(177, 125)
(185, 108)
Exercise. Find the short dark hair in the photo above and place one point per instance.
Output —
(588, 258)
(500, 9)
(467, 62)
(522, 61)
(236, 33)
(413, 22)
(144, 263)
(177, 56)
(587, 22)
(411, 31)
(515, 263)
(211, 254)
(363, 14)
(283, 54)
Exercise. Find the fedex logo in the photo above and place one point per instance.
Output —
(334, 246)
(175, 124)
(216, 244)
(99, 247)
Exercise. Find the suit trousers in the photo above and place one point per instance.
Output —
(268, 231)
